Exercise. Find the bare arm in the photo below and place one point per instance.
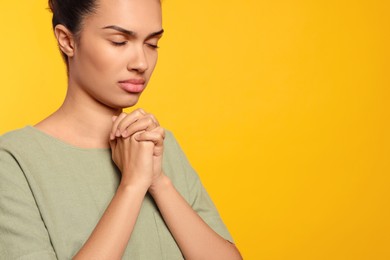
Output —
(137, 147)
(136, 162)
(111, 235)
(194, 237)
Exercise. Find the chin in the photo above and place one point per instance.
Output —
(126, 104)
(120, 101)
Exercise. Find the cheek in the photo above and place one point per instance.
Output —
(152, 57)
(100, 62)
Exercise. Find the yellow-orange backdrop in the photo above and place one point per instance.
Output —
(281, 106)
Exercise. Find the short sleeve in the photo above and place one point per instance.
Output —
(197, 195)
(23, 234)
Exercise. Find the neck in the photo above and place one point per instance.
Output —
(81, 121)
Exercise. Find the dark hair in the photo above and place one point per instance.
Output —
(70, 13)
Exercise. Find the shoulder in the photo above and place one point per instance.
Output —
(170, 141)
(22, 231)
(19, 140)
(172, 150)
(14, 139)
(15, 136)
(21, 144)
(11, 145)
(177, 167)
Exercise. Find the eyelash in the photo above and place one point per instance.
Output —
(153, 46)
(118, 44)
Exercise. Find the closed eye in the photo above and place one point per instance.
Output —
(119, 43)
(153, 46)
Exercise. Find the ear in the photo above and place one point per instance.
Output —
(65, 40)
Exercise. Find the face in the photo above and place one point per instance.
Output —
(116, 52)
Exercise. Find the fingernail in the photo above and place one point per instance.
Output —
(124, 134)
(112, 137)
(114, 118)
(118, 133)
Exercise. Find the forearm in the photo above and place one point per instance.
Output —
(194, 237)
(111, 235)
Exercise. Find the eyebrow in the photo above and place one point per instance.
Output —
(131, 33)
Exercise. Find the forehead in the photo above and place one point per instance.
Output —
(136, 15)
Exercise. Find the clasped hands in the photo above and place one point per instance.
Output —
(137, 144)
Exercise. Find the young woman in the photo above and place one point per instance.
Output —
(91, 182)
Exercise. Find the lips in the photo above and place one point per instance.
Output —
(132, 85)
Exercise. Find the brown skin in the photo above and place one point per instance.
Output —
(91, 117)
(96, 65)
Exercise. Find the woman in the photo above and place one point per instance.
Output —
(91, 182)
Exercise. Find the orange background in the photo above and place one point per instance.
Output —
(281, 106)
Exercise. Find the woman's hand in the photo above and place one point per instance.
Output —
(136, 141)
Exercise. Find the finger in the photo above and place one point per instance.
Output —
(112, 136)
(129, 120)
(113, 144)
(153, 118)
(143, 124)
(141, 111)
(115, 125)
(156, 136)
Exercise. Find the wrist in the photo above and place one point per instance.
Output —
(160, 184)
(139, 185)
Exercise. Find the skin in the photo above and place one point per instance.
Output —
(91, 117)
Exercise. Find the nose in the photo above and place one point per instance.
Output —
(138, 61)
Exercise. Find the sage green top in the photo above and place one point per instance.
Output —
(53, 194)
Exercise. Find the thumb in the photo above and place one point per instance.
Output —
(113, 144)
